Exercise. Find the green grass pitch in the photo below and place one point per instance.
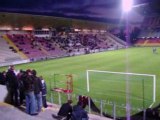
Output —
(134, 60)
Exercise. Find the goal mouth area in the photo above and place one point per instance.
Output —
(93, 75)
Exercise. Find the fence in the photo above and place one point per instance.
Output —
(104, 108)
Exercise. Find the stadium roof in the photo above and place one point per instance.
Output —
(97, 10)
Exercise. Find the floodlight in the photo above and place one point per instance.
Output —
(127, 5)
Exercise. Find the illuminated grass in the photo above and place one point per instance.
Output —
(139, 60)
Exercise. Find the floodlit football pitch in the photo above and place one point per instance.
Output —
(140, 88)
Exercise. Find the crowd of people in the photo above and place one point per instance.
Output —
(25, 87)
(77, 41)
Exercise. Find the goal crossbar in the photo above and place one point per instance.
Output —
(125, 73)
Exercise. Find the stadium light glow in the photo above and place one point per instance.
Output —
(5, 28)
(127, 5)
(27, 28)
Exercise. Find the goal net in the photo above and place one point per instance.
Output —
(113, 86)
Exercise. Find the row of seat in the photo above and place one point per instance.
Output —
(73, 43)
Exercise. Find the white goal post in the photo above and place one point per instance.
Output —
(124, 73)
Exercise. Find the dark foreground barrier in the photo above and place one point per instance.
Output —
(148, 114)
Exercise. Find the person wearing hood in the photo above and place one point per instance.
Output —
(79, 113)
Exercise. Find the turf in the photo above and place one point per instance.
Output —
(135, 60)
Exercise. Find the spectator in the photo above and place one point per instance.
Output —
(12, 85)
(37, 90)
(44, 92)
(83, 100)
(79, 113)
(21, 76)
(65, 110)
(29, 93)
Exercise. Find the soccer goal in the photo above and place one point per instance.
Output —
(112, 85)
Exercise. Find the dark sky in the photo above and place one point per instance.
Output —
(81, 9)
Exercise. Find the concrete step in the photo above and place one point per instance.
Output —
(9, 112)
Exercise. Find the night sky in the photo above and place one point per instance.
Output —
(81, 9)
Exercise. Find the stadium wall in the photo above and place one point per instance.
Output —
(14, 62)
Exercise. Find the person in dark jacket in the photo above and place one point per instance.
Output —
(21, 76)
(37, 90)
(29, 93)
(44, 92)
(12, 85)
(65, 110)
(79, 113)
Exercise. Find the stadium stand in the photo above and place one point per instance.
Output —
(148, 42)
(24, 43)
(150, 32)
(48, 46)
(61, 44)
(149, 37)
(8, 53)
